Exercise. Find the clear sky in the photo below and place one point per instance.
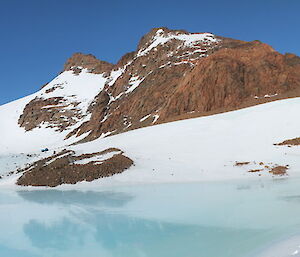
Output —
(37, 36)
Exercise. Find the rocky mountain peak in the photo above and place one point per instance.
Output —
(173, 74)
(79, 61)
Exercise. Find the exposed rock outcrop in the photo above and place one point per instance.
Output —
(68, 168)
(54, 113)
(290, 142)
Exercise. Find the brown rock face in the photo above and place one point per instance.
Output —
(232, 76)
(174, 75)
(52, 112)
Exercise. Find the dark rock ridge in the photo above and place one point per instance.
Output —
(174, 75)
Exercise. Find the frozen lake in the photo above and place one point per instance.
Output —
(224, 219)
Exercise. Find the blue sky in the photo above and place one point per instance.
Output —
(37, 36)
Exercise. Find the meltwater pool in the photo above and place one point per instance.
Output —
(214, 219)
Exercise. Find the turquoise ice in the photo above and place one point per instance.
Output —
(224, 219)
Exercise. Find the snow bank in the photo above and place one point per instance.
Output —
(206, 148)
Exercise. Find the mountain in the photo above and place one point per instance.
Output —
(172, 75)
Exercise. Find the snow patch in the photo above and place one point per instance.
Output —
(189, 40)
(145, 117)
(156, 117)
(98, 159)
(134, 82)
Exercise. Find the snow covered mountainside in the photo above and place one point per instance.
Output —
(173, 75)
(62, 105)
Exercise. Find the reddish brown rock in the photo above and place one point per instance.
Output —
(232, 76)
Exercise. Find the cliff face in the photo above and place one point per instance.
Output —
(230, 77)
(171, 75)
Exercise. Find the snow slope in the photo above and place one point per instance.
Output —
(80, 89)
(206, 148)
